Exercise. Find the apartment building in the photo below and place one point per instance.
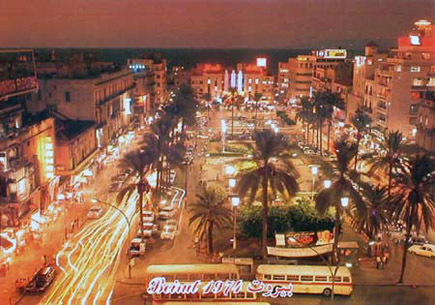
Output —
(208, 78)
(405, 80)
(255, 79)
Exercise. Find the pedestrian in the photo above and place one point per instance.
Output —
(384, 261)
(387, 257)
(378, 262)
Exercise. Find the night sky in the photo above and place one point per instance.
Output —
(207, 23)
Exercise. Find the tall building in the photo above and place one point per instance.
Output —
(405, 80)
(207, 78)
(256, 80)
(295, 77)
(363, 84)
(26, 143)
(103, 96)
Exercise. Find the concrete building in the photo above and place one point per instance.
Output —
(426, 123)
(363, 83)
(104, 97)
(207, 78)
(76, 145)
(295, 76)
(256, 80)
(404, 80)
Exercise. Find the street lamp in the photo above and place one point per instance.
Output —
(235, 201)
(231, 182)
(344, 201)
(96, 200)
(224, 130)
(327, 184)
(314, 172)
(230, 170)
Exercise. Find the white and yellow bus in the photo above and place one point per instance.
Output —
(213, 303)
(243, 296)
(193, 272)
(307, 279)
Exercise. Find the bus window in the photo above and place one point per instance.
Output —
(223, 276)
(240, 295)
(320, 278)
(279, 277)
(267, 277)
(306, 278)
(346, 279)
(194, 276)
(165, 296)
(208, 296)
(293, 278)
(208, 277)
(193, 296)
(182, 277)
(233, 276)
(169, 277)
(250, 296)
(337, 279)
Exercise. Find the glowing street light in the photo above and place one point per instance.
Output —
(314, 172)
(235, 201)
(231, 182)
(327, 184)
(230, 170)
(344, 201)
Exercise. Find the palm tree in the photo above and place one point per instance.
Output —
(174, 158)
(325, 102)
(272, 170)
(235, 100)
(186, 105)
(376, 218)
(305, 115)
(208, 213)
(362, 122)
(140, 164)
(341, 187)
(413, 200)
(389, 160)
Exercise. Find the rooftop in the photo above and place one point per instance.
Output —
(69, 129)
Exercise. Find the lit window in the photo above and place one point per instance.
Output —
(415, 68)
(398, 68)
(431, 82)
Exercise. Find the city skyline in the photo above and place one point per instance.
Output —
(208, 24)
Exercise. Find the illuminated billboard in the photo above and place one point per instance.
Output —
(332, 53)
(17, 73)
(261, 61)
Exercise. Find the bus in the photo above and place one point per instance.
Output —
(243, 296)
(212, 303)
(193, 272)
(307, 279)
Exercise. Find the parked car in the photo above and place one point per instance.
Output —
(148, 216)
(137, 247)
(168, 232)
(427, 250)
(148, 229)
(42, 279)
(95, 212)
(166, 213)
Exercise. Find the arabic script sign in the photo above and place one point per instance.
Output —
(158, 285)
(299, 252)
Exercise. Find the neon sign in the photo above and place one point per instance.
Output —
(159, 285)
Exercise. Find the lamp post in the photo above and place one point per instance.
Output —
(96, 200)
(224, 130)
(235, 201)
(314, 172)
(327, 184)
(293, 240)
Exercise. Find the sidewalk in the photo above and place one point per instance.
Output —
(31, 259)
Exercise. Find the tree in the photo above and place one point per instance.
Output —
(389, 159)
(412, 200)
(174, 158)
(362, 122)
(234, 100)
(272, 169)
(306, 116)
(208, 213)
(140, 164)
(186, 104)
(324, 103)
(376, 218)
(341, 187)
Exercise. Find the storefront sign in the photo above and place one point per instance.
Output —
(300, 252)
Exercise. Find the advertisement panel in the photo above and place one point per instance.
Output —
(17, 73)
(299, 252)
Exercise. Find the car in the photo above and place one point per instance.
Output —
(173, 175)
(427, 250)
(95, 212)
(148, 216)
(137, 247)
(168, 232)
(148, 229)
(166, 213)
(42, 279)
(309, 152)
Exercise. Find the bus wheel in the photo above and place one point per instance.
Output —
(327, 292)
